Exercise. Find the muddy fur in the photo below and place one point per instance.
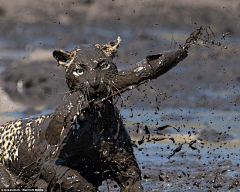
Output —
(84, 142)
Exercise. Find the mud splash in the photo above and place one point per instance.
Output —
(211, 162)
(200, 96)
(168, 146)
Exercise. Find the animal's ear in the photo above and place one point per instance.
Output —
(110, 49)
(64, 58)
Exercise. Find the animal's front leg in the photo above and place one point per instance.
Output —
(150, 68)
(62, 178)
(126, 171)
(64, 113)
(7, 179)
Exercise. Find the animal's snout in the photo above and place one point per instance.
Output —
(94, 83)
(95, 86)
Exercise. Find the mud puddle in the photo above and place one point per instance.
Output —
(212, 164)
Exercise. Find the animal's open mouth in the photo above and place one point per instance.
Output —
(98, 96)
(92, 93)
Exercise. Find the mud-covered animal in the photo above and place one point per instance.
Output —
(84, 141)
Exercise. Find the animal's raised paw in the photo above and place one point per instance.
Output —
(201, 34)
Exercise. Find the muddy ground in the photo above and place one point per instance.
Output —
(201, 95)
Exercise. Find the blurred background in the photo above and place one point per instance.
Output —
(200, 96)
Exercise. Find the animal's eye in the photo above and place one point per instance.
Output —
(105, 66)
(78, 72)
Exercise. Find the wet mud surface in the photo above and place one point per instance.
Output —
(200, 97)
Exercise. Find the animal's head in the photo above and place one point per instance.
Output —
(88, 67)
